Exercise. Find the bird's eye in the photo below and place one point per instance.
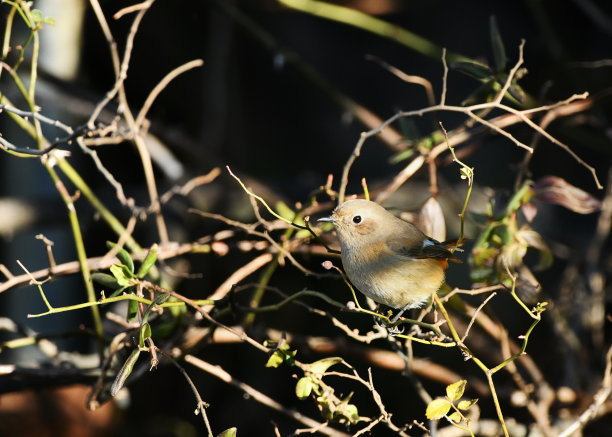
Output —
(357, 219)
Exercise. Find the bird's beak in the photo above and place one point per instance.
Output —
(329, 219)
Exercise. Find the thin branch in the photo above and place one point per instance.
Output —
(160, 87)
(598, 400)
(201, 405)
(473, 319)
(469, 111)
(409, 78)
(444, 78)
(263, 399)
(511, 74)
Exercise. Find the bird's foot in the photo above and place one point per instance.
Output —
(395, 330)
(392, 326)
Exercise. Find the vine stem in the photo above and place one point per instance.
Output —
(466, 351)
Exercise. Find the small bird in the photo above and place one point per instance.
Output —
(387, 258)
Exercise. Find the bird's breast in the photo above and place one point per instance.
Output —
(389, 278)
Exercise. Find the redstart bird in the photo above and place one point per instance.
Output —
(387, 258)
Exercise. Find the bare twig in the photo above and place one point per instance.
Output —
(473, 319)
(260, 397)
(160, 87)
(190, 185)
(598, 400)
(201, 405)
(471, 112)
(407, 77)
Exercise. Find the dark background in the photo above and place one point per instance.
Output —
(252, 108)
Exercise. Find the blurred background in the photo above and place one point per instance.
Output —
(278, 100)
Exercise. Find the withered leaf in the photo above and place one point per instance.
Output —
(553, 189)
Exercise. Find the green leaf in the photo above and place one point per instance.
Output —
(503, 235)
(148, 262)
(118, 291)
(467, 404)
(484, 93)
(123, 275)
(37, 15)
(499, 52)
(531, 238)
(284, 211)
(276, 359)
(481, 274)
(231, 432)
(105, 280)
(123, 256)
(132, 310)
(321, 366)
(304, 387)
(455, 390)
(455, 417)
(351, 413)
(145, 332)
(402, 156)
(484, 257)
(437, 409)
(282, 354)
(125, 371)
(302, 233)
(474, 69)
(540, 307)
(157, 301)
(524, 194)
(39, 18)
(517, 92)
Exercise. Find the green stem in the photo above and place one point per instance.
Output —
(80, 246)
(428, 342)
(34, 65)
(480, 364)
(103, 301)
(374, 25)
(469, 174)
(500, 415)
(104, 212)
(264, 280)
(519, 353)
(7, 32)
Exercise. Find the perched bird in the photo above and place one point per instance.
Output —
(387, 258)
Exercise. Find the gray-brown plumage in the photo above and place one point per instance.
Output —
(387, 258)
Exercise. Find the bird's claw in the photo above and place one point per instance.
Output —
(392, 327)
(395, 330)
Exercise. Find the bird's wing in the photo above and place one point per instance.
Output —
(429, 248)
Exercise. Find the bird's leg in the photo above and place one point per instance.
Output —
(378, 320)
(390, 326)
(382, 321)
(399, 314)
